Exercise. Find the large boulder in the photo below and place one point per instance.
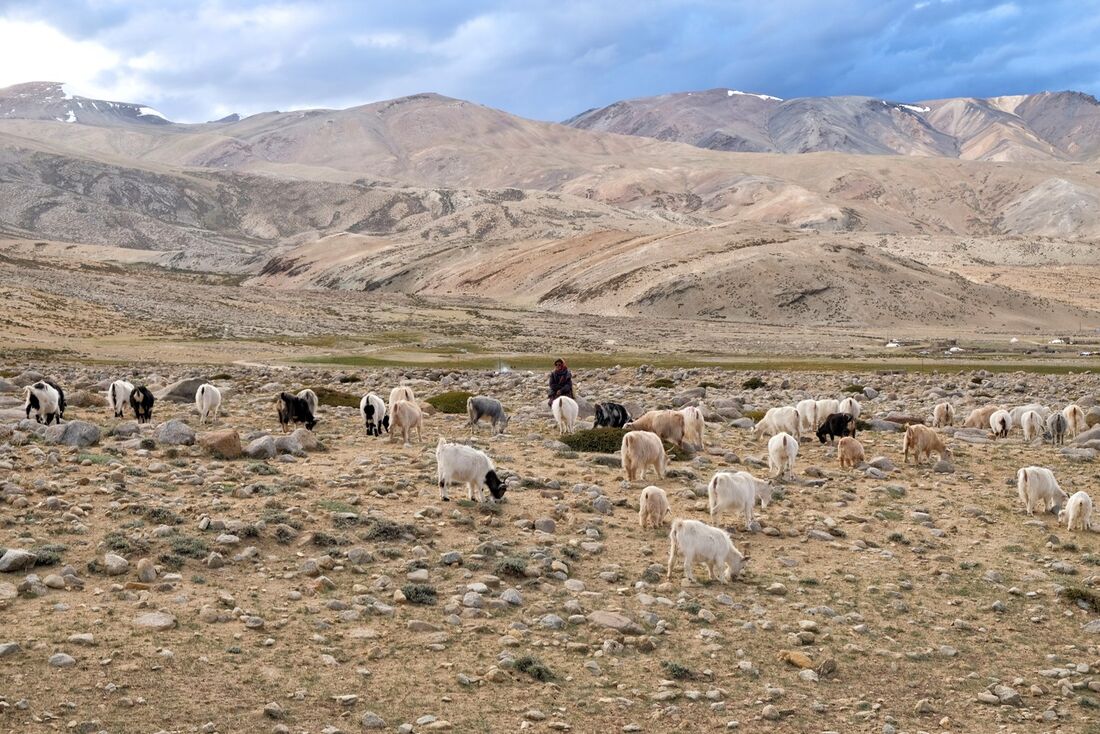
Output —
(83, 399)
(16, 559)
(182, 391)
(26, 378)
(7, 386)
(307, 439)
(74, 433)
(224, 444)
(261, 448)
(1091, 434)
(175, 433)
(289, 444)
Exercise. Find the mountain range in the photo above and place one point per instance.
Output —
(660, 206)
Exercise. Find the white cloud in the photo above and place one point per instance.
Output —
(36, 51)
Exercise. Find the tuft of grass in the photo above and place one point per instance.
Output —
(336, 398)
(754, 415)
(535, 668)
(710, 384)
(383, 529)
(348, 379)
(124, 545)
(419, 593)
(322, 539)
(258, 467)
(511, 566)
(162, 516)
(753, 383)
(170, 560)
(692, 607)
(570, 552)
(1078, 593)
(48, 554)
(221, 376)
(676, 671)
(852, 388)
(452, 403)
(190, 547)
(662, 382)
(98, 459)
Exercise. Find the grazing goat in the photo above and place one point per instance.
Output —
(943, 415)
(783, 419)
(849, 452)
(293, 409)
(979, 417)
(850, 406)
(1057, 425)
(401, 392)
(826, 408)
(1017, 413)
(736, 492)
(693, 426)
(694, 539)
(807, 416)
(643, 450)
(459, 464)
(1075, 419)
(405, 415)
(373, 411)
(565, 410)
(1077, 514)
(46, 399)
(782, 450)
(838, 424)
(653, 507)
(311, 400)
(479, 407)
(668, 424)
(1001, 423)
(141, 401)
(118, 396)
(922, 442)
(611, 415)
(208, 399)
(1032, 425)
(1037, 487)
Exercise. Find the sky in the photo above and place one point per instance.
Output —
(546, 60)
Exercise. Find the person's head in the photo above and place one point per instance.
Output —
(559, 364)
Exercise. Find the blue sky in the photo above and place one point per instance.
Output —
(546, 60)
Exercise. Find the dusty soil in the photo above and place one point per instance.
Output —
(897, 579)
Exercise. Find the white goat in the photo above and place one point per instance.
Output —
(1032, 425)
(1077, 514)
(943, 415)
(311, 400)
(783, 419)
(642, 450)
(653, 507)
(1001, 423)
(1075, 419)
(459, 464)
(208, 399)
(850, 406)
(736, 492)
(405, 415)
(118, 396)
(1037, 487)
(694, 425)
(565, 410)
(782, 450)
(694, 539)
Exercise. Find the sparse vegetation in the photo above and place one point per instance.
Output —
(662, 382)
(753, 383)
(335, 398)
(1075, 594)
(452, 403)
(511, 566)
(677, 671)
(190, 547)
(853, 387)
(535, 668)
(384, 529)
(595, 440)
(419, 593)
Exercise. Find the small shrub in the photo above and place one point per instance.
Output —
(335, 398)
(47, 555)
(258, 467)
(676, 671)
(324, 540)
(97, 459)
(453, 402)
(348, 379)
(170, 560)
(162, 516)
(190, 547)
(897, 538)
(755, 415)
(511, 566)
(692, 607)
(662, 382)
(595, 440)
(852, 388)
(419, 593)
(753, 383)
(383, 529)
(709, 384)
(221, 376)
(534, 667)
(570, 552)
(119, 543)
(1077, 593)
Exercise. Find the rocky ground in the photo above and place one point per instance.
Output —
(323, 586)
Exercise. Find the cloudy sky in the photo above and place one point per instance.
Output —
(542, 59)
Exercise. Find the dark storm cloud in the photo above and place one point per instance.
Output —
(550, 60)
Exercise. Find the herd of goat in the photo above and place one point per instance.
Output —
(643, 449)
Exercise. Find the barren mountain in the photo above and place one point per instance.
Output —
(1046, 126)
(441, 197)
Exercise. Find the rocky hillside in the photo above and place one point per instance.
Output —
(1046, 126)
